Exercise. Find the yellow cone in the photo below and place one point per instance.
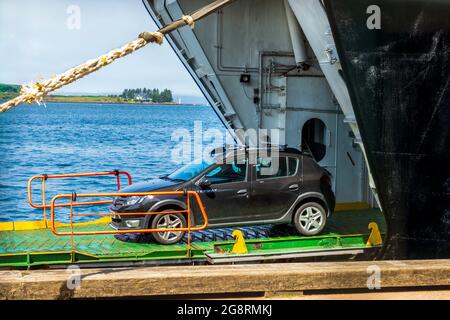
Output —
(239, 245)
(375, 235)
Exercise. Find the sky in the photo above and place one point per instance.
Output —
(39, 39)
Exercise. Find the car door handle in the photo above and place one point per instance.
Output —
(293, 187)
(242, 192)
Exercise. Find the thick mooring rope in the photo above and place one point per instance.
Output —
(36, 92)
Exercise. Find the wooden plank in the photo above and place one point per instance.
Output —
(169, 281)
(373, 295)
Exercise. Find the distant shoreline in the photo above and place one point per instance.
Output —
(105, 100)
(123, 102)
(11, 91)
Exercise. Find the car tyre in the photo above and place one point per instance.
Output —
(310, 219)
(167, 221)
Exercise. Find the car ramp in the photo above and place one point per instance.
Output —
(52, 242)
(27, 245)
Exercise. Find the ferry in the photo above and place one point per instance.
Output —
(360, 87)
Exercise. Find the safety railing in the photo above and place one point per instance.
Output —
(45, 177)
(72, 202)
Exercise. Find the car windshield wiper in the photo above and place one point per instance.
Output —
(171, 179)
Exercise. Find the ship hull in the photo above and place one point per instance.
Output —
(399, 82)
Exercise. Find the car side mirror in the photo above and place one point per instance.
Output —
(204, 183)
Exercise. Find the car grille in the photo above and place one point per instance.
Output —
(115, 218)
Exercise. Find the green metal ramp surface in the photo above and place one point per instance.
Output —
(41, 247)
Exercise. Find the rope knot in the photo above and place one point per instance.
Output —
(189, 21)
(157, 37)
(33, 93)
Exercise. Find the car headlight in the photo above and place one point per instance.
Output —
(130, 201)
(133, 200)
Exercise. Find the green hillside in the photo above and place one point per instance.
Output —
(9, 87)
(9, 91)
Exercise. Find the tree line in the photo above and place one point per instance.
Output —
(9, 88)
(144, 94)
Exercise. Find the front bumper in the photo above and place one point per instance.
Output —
(127, 222)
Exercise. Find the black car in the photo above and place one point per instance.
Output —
(237, 189)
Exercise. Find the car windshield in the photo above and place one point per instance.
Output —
(192, 169)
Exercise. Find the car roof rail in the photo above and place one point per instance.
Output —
(282, 148)
(225, 148)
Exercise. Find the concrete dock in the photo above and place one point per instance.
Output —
(427, 279)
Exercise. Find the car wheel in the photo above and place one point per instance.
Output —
(310, 219)
(168, 221)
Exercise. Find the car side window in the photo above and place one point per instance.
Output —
(266, 168)
(293, 165)
(226, 173)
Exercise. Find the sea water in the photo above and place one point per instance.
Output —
(79, 137)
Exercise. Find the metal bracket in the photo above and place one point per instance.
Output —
(330, 55)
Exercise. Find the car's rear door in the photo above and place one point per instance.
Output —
(273, 194)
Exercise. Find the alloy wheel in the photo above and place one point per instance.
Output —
(311, 219)
(169, 221)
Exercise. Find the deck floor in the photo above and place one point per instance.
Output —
(44, 241)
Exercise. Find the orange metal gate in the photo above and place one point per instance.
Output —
(72, 202)
(45, 177)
